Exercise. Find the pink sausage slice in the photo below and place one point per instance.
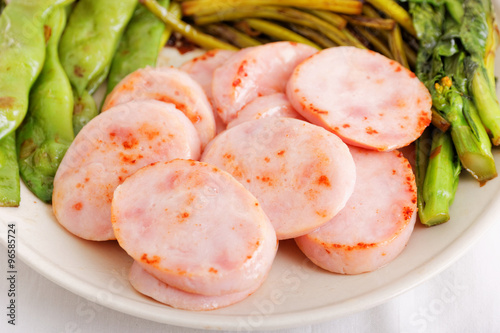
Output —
(253, 72)
(377, 221)
(148, 285)
(107, 150)
(169, 85)
(365, 98)
(301, 174)
(194, 227)
(201, 69)
(275, 105)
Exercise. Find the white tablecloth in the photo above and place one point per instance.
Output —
(464, 298)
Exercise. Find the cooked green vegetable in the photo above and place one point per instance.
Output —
(139, 46)
(44, 137)
(474, 34)
(87, 47)
(194, 35)
(439, 121)
(10, 186)
(396, 44)
(332, 18)
(22, 53)
(278, 32)
(441, 67)
(313, 35)
(447, 62)
(437, 171)
(376, 42)
(207, 7)
(396, 12)
(226, 32)
(371, 22)
(491, 47)
(284, 14)
(22, 49)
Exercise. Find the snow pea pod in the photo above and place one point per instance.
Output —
(10, 189)
(44, 137)
(84, 110)
(22, 49)
(87, 47)
(139, 46)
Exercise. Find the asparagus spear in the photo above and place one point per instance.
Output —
(313, 35)
(279, 32)
(194, 35)
(392, 9)
(285, 14)
(396, 45)
(207, 7)
(332, 18)
(229, 33)
(377, 44)
(371, 22)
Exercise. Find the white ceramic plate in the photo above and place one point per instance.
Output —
(295, 293)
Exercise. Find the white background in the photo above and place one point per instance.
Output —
(463, 298)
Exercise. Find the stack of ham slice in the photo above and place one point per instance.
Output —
(199, 171)
(198, 231)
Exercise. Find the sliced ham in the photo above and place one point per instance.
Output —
(148, 285)
(194, 227)
(106, 151)
(253, 72)
(377, 221)
(169, 85)
(275, 105)
(201, 69)
(365, 98)
(301, 174)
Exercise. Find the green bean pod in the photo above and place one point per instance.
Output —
(44, 137)
(10, 187)
(87, 47)
(139, 46)
(91, 37)
(22, 50)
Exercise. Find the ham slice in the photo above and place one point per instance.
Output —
(170, 85)
(367, 99)
(375, 225)
(275, 105)
(253, 72)
(201, 69)
(301, 174)
(148, 285)
(107, 150)
(194, 227)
